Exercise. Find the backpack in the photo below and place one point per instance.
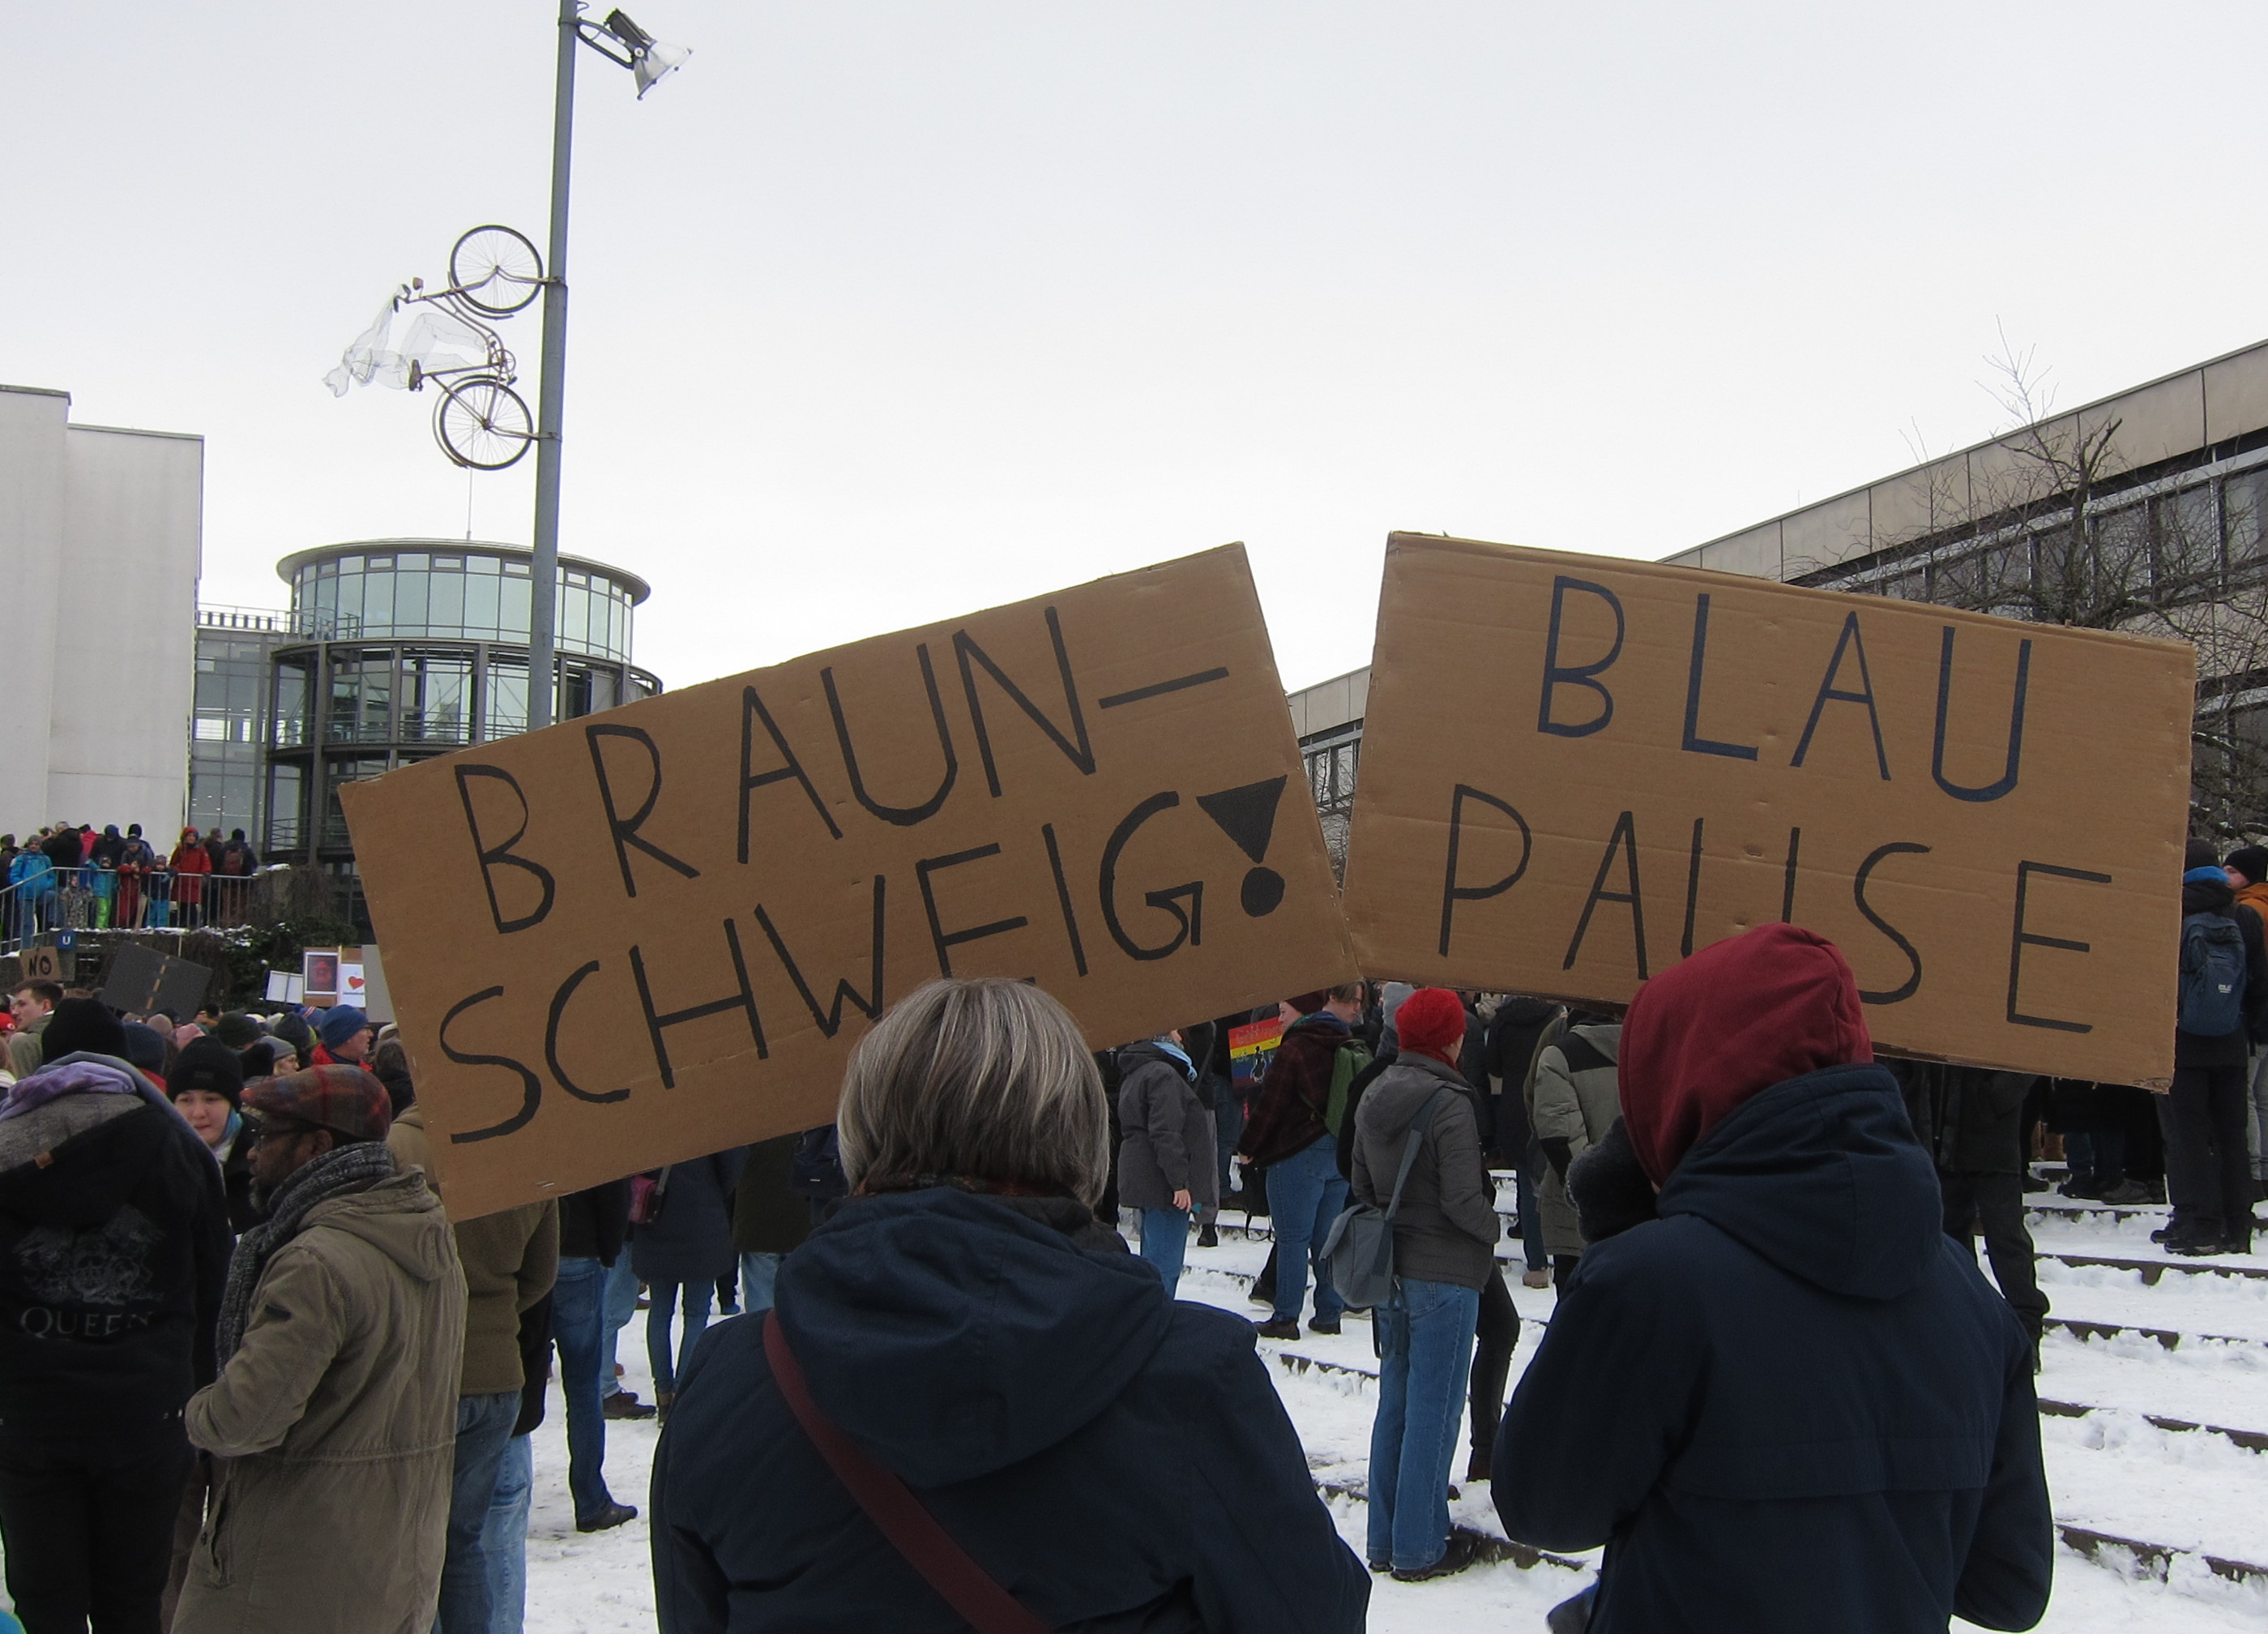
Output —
(1359, 1248)
(1347, 1064)
(2213, 976)
(236, 858)
(815, 1171)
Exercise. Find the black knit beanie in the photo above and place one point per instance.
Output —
(82, 1024)
(208, 1065)
(2251, 862)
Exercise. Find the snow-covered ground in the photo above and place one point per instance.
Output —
(2111, 1471)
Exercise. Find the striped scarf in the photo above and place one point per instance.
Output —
(351, 1168)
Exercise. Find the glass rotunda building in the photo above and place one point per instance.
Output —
(396, 650)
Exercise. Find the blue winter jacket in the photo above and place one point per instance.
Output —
(1792, 1403)
(1114, 1459)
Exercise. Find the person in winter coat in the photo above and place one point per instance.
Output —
(1793, 1363)
(680, 1252)
(190, 865)
(1515, 1034)
(2208, 1165)
(1108, 1457)
(1445, 1236)
(509, 1259)
(593, 1238)
(114, 1247)
(344, 1038)
(207, 1088)
(333, 1423)
(1966, 1119)
(1165, 1147)
(1289, 1135)
(32, 1006)
(769, 1220)
(1571, 1103)
(2247, 871)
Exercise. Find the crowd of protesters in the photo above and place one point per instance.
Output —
(70, 876)
(253, 1377)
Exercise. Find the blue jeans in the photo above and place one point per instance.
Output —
(664, 1298)
(1305, 1195)
(758, 1272)
(578, 1321)
(1425, 1349)
(483, 1426)
(1531, 1222)
(619, 1305)
(504, 1537)
(1166, 1243)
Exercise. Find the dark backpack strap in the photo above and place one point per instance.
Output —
(896, 1511)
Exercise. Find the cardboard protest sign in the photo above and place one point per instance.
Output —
(1577, 770)
(658, 932)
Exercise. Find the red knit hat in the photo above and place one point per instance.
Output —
(1736, 1018)
(1431, 1021)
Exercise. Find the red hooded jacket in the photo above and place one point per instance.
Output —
(1739, 1016)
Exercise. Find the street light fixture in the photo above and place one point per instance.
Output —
(623, 43)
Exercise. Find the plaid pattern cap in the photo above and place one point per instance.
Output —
(345, 1100)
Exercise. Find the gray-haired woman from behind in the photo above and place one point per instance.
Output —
(1079, 1450)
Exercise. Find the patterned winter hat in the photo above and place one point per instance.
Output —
(345, 1100)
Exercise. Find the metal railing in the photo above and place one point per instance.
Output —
(312, 622)
(129, 899)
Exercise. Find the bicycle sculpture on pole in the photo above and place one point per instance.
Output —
(481, 422)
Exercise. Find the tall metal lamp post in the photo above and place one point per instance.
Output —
(622, 42)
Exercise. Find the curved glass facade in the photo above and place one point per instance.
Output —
(464, 593)
(420, 647)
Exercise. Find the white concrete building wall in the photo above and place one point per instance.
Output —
(100, 543)
(31, 533)
(125, 659)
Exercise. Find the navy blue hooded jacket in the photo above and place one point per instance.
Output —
(1114, 1459)
(1790, 1404)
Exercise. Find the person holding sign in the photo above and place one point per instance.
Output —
(970, 1406)
(1793, 1362)
(1289, 1133)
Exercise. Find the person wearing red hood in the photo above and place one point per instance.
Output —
(1788, 1401)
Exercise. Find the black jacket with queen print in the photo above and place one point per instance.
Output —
(114, 1249)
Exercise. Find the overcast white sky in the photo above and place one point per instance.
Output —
(884, 312)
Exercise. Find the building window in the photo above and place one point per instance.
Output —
(437, 695)
(362, 698)
(286, 820)
(336, 775)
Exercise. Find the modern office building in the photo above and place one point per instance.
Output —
(100, 542)
(392, 651)
(2148, 510)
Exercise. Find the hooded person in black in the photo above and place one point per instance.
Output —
(113, 1248)
(2208, 1165)
(1788, 1402)
(1108, 1459)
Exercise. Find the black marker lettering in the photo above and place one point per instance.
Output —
(1787, 880)
(944, 941)
(625, 830)
(559, 1002)
(1695, 743)
(1080, 754)
(1830, 693)
(1990, 791)
(1692, 892)
(1191, 921)
(502, 852)
(1452, 892)
(902, 817)
(531, 1087)
(2024, 938)
(1063, 897)
(1556, 674)
(831, 1020)
(1912, 985)
(655, 1021)
(1623, 841)
(753, 710)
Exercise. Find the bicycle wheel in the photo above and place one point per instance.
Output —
(484, 424)
(495, 269)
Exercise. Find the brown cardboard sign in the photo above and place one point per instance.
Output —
(650, 934)
(1577, 770)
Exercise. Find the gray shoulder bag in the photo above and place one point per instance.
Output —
(1360, 1247)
